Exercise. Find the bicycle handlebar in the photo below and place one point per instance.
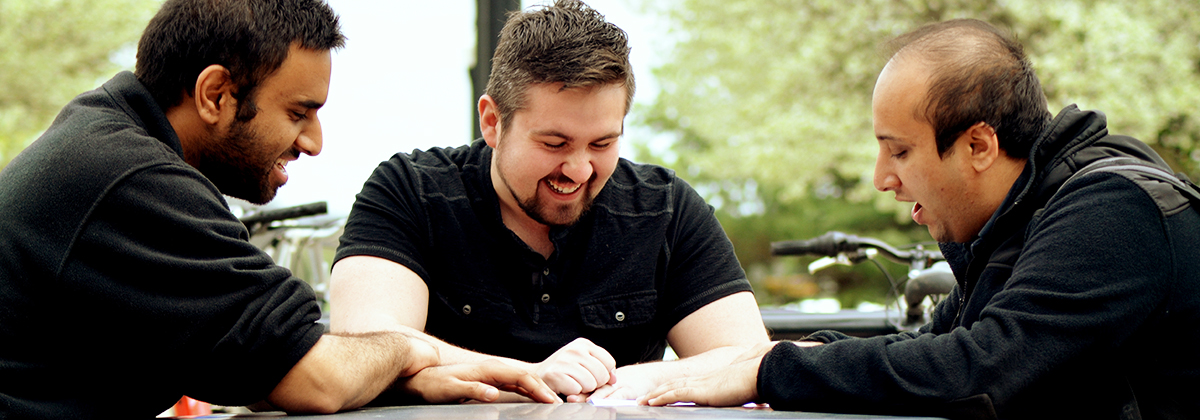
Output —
(268, 216)
(833, 243)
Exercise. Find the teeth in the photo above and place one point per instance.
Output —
(562, 190)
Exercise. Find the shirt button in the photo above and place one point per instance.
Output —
(545, 298)
(466, 309)
(620, 316)
(546, 272)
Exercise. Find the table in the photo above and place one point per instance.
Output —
(566, 411)
(785, 324)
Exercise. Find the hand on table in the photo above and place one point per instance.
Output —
(421, 354)
(636, 381)
(476, 381)
(732, 385)
(578, 368)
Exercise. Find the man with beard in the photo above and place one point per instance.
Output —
(120, 259)
(538, 245)
(1076, 253)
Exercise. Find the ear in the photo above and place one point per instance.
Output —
(489, 120)
(983, 144)
(214, 94)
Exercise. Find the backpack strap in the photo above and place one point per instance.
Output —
(1132, 168)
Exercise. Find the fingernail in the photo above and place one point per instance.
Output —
(491, 394)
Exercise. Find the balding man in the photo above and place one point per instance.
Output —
(1079, 281)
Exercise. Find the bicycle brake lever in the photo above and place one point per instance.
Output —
(823, 263)
(842, 258)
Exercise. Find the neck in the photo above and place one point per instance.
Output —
(997, 186)
(189, 128)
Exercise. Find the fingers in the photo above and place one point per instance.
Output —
(729, 386)
(532, 386)
(670, 392)
(614, 392)
(477, 381)
(462, 391)
(603, 392)
(578, 368)
(516, 379)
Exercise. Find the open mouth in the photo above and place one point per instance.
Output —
(561, 189)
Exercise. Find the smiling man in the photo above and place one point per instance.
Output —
(538, 245)
(120, 260)
(1078, 276)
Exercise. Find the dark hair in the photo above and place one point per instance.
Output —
(978, 73)
(567, 43)
(250, 38)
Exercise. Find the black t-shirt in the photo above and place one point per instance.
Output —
(647, 254)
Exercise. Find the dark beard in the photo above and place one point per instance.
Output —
(238, 167)
(541, 213)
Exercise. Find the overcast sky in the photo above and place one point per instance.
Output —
(402, 83)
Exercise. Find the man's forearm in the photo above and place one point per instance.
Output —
(450, 354)
(700, 364)
(345, 371)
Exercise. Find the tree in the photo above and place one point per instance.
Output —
(767, 103)
(54, 50)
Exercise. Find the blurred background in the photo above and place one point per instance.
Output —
(762, 105)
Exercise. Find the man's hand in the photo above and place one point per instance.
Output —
(421, 354)
(476, 381)
(577, 368)
(732, 385)
(636, 381)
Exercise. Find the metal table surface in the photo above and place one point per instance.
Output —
(566, 411)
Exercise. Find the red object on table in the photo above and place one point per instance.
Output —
(190, 407)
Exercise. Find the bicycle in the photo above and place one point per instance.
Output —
(929, 277)
(296, 237)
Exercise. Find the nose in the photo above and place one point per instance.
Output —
(578, 166)
(309, 141)
(885, 179)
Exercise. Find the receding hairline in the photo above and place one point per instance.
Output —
(962, 45)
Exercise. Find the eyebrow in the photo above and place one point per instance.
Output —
(559, 134)
(311, 104)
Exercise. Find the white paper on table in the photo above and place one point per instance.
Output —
(611, 402)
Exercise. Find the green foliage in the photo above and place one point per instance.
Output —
(56, 49)
(767, 103)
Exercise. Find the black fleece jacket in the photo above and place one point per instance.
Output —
(125, 281)
(1081, 306)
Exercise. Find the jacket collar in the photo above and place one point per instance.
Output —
(1069, 132)
(137, 102)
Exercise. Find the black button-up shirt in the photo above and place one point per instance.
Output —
(647, 254)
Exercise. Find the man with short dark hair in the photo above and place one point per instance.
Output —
(1075, 252)
(538, 245)
(120, 260)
